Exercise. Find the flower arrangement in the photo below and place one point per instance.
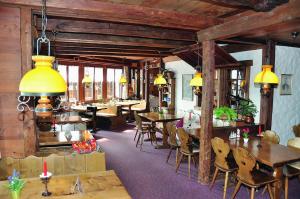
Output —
(246, 133)
(225, 113)
(85, 146)
(15, 184)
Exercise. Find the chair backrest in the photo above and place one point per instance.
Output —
(271, 136)
(296, 130)
(245, 161)
(138, 121)
(184, 140)
(221, 150)
(171, 128)
(111, 110)
(294, 143)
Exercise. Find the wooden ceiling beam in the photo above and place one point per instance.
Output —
(233, 48)
(116, 40)
(257, 5)
(255, 22)
(134, 14)
(79, 53)
(117, 29)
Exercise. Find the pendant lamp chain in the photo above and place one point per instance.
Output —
(43, 38)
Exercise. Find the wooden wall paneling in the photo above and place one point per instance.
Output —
(266, 102)
(7, 165)
(29, 127)
(11, 129)
(207, 111)
(55, 164)
(74, 163)
(95, 162)
(31, 166)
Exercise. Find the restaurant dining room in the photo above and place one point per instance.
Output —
(149, 99)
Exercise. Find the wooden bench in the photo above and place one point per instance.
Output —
(110, 118)
(32, 166)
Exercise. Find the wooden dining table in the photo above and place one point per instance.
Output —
(272, 155)
(155, 117)
(95, 185)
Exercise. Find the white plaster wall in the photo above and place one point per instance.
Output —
(254, 92)
(180, 68)
(286, 108)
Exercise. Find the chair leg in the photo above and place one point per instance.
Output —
(236, 189)
(286, 187)
(225, 185)
(138, 140)
(214, 178)
(270, 191)
(179, 161)
(189, 165)
(193, 159)
(135, 134)
(252, 193)
(169, 154)
(142, 141)
(176, 158)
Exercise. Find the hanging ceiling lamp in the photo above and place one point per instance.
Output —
(266, 79)
(197, 80)
(160, 81)
(123, 80)
(87, 81)
(43, 80)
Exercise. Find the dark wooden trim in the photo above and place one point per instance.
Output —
(104, 84)
(207, 111)
(266, 102)
(80, 85)
(138, 81)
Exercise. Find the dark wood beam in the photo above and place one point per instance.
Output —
(266, 102)
(207, 111)
(257, 5)
(116, 40)
(117, 29)
(255, 22)
(134, 14)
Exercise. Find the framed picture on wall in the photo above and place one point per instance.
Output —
(286, 84)
(187, 90)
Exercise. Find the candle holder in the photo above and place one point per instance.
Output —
(45, 181)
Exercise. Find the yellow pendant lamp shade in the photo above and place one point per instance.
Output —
(197, 81)
(160, 80)
(87, 81)
(123, 80)
(266, 78)
(43, 80)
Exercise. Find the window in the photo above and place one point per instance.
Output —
(118, 73)
(98, 83)
(237, 81)
(110, 83)
(88, 90)
(62, 69)
(73, 83)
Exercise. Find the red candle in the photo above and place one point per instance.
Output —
(259, 130)
(45, 168)
(190, 116)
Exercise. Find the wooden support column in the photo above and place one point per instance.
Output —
(138, 81)
(147, 84)
(266, 102)
(29, 128)
(104, 84)
(206, 111)
(80, 85)
(143, 80)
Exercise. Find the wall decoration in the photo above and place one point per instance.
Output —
(286, 84)
(187, 90)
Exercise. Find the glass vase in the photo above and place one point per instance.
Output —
(15, 194)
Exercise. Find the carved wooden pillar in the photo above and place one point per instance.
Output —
(266, 102)
(206, 111)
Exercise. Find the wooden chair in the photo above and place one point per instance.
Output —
(271, 136)
(171, 129)
(186, 149)
(222, 163)
(293, 169)
(248, 174)
(141, 130)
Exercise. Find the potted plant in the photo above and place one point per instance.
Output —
(225, 113)
(248, 110)
(245, 135)
(15, 184)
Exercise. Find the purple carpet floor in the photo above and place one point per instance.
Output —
(146, 175)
